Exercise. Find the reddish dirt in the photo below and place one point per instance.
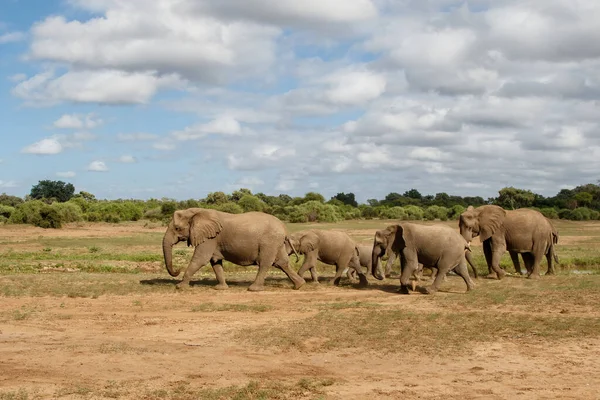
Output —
(155, 340)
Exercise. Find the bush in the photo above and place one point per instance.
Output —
(414, 213)
(314, 210)
(296, 215)
(549, 212)
(93, 216)
(168, 208)
(368, 212)
(394, 213)
(250, 202)
(49, 218)
(455, 211)
(436, 212)
(154, 214)
(6, 211)
(27, 213)
(69, 212)
(230, 207)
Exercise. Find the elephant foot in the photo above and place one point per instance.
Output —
(299, 284)
(256, 288)
(221, 286)
(534, 276)
(363, 281)
(335, 282)
(403, 289)
(550, 273)
(182, 285)
(429, 290)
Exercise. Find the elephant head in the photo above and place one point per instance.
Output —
(193, 225)
(394, 236)
(483, 221)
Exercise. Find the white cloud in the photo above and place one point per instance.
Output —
(136, 137)
(354, 87)
(77, 121)
(97, 166)
(44, 146)
(11, 37)
(87, 86)
(164, 146)
(223, 125)
(66, 174)
(127, 159)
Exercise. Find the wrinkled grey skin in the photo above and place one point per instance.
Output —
(329, 247)
(364, 258)
(522, 231)
(392, 256)
(252, 238)
(438, 246)
(550, 253)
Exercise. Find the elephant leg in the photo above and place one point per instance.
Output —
(408, 267)
(515, 259)
(314, 275)
(487, 252)
(217, 266)
(550, 261)
(201, 257)
(470, 261)
(389, 263)
(536, 257)
(356, 267)
(310, 262)
(283, 263)
(499, 249)
(462, 271)
(339, 270)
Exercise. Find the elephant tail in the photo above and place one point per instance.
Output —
(553, 246)
(292, 247)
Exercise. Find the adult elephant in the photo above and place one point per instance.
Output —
(523, 231)
(437, 246)
(329, 247)
(550, 254)
(252, 238)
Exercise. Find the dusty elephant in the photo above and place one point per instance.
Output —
(550, 253)
(252, 238)
(522, 231)
(364, 258)
(392, 257)
(438, 246)
(329, 247)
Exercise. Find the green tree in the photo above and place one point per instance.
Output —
(249, 202)
(11, 201)
(313, 196)
(413, 194)
(348, 199)
(238, 194)
(513, 198)
(584, 199)
(216, 198)
(47, 189)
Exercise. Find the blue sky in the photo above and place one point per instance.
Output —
(181, 98)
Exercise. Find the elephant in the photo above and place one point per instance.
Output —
(438, 246)
(330, 247)
(522, 231)
(551, 252)
(364, 258)
(392, 257)
(252, 238)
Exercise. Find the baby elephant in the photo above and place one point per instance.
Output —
(364, 258)
(329, 247)
(437, 246)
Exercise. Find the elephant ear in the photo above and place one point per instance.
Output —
(404, 237)
(490, 219)
(203, 227)
(309, 242)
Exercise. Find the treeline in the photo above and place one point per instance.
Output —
(53, 203)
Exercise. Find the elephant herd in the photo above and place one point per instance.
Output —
(256, 238)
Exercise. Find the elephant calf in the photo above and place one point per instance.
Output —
(437, 246)
(330, 247)
(252, 238)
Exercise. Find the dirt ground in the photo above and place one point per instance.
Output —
(136, 345)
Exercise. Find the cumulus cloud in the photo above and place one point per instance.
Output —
(44, 146)
(8, 184)
(136, 137)
(97, 166)
(222, 125)
(77, 121)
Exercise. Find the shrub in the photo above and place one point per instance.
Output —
(250, 202)
(314, 210)
(69, 212)
(168, 208)
(394, 213)
(230, 207)
(296, 215)
(154, 214)
(93, 216)
(49, 218)
(367, 212)
(455, 211)
(27, 213)
(414, 213)
(549, 212)
(6, 211)
(436, 212)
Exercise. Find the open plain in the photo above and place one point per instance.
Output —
(89, 312)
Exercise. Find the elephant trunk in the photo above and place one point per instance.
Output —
(169, 240)
(375, 262)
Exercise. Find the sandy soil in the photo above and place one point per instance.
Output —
(156, 341)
